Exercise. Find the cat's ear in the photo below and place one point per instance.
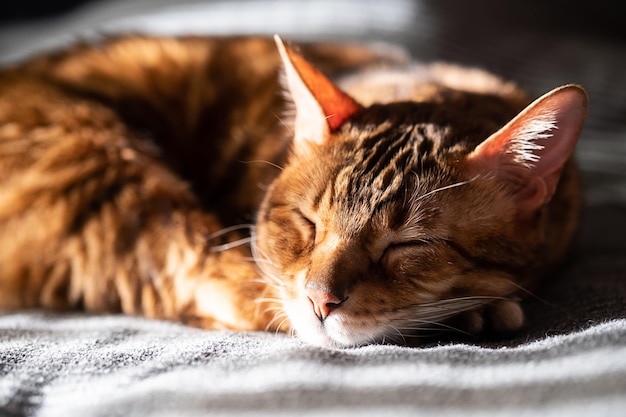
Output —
(528, 154)
(321, 106)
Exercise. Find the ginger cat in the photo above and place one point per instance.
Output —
(165, 177)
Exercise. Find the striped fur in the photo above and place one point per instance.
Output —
(132, 173)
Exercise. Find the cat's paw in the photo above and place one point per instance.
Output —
(502, 316)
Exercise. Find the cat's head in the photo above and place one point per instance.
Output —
(385, 220)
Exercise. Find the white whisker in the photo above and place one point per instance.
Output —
(267, 300)
(284, 124)
(528, 292)
(281, 324)
(276, 317)
(400, 334)
(264, 281)
(478, 298)
(439, 324)
(431, 316)
(262, 262)
(229, 229)
(230, 245)
(446, 187)
(262, 161)
(270, 309)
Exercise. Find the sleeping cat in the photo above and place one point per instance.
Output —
(170, 178)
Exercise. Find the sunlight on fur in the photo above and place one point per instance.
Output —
(330, 191)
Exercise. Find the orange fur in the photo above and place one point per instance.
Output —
(130, 170)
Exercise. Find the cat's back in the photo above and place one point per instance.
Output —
(430, 82)
(98, 141)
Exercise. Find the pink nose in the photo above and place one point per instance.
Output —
(323, 302)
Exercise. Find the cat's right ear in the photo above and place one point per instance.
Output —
(528, 154)
(321, 106)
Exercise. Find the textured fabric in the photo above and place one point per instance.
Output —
(116, 366)
(571, 358)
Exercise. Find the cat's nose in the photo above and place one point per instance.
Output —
(323, 302)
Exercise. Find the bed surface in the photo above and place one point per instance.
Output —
(571, 358)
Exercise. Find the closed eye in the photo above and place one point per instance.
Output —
(308, 225)
(408, 243)
(402, 247)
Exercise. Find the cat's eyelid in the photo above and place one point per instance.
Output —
(393, 246)
(410, 242)
(310, 223)
(307, 218)
(416, 235)
(400, 243)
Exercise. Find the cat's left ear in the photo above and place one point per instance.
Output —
(321, 106)
(527, 155)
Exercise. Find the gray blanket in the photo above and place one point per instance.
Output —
(569, 360)
(115, 366)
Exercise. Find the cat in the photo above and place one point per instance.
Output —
(174, 178)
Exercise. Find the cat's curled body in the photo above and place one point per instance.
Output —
(128, 172)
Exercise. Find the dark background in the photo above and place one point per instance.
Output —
(604, 18)
(30, 9)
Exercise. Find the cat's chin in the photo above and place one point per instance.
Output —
(328, 335)
(335, 332)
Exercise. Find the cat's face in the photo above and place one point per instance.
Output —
(382, 234)
(386, 219)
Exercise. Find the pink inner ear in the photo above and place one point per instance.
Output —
(569, 107)
(336, 105)
(528, 154)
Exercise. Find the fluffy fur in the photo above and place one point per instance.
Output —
(159, 176)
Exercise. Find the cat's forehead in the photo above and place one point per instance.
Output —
(375, 159)
(381, 167)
